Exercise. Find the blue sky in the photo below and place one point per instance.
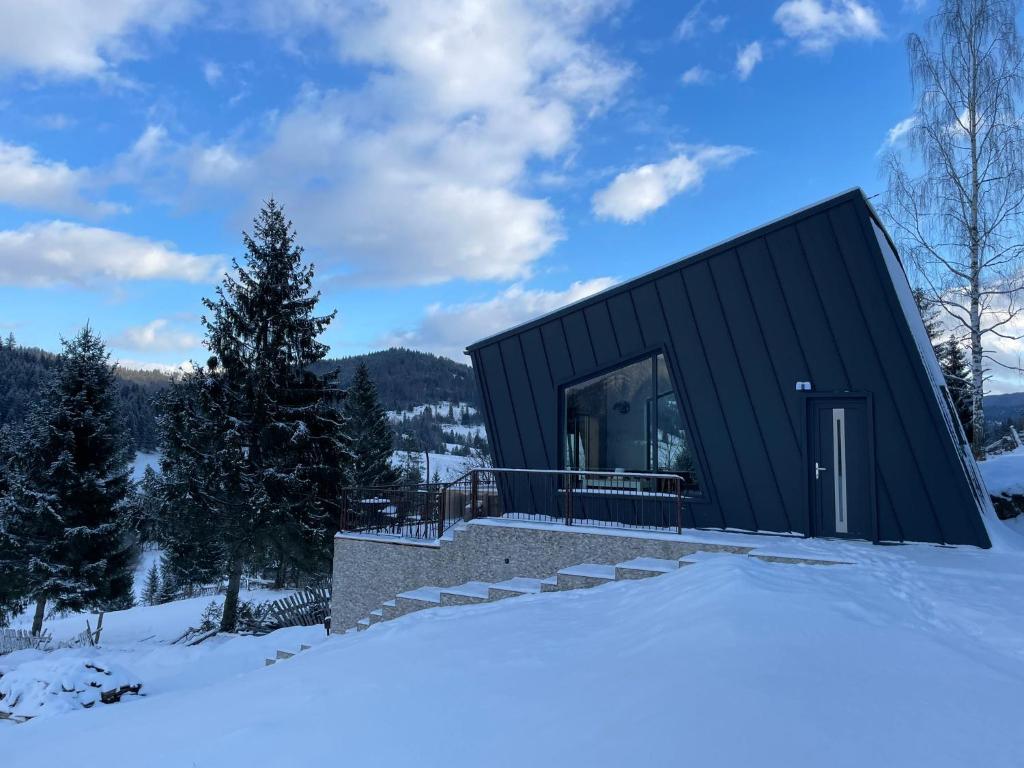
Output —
(451, 167)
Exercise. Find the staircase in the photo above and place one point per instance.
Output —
(582, 576)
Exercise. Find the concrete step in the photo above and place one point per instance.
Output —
(362, 624)
(550, 584)
(417, 600)
(390, 610)
(644, 568)
(515, 587)
(585, 576)
(281, 655)
(470, 593)
(269, 662)
(376, 616)
(304, 647)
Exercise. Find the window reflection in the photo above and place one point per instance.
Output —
(628, 420)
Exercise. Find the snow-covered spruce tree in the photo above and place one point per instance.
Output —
(198, 486)
(369, 432)
(151, 590)
(952, 360)
(957, 371)
(147, 511)
(13, 586)
(70, 525)
(292, 450)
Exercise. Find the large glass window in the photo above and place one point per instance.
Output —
(628, 420)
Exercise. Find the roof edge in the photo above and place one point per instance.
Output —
(854, 193)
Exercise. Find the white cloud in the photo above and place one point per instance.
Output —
(156, 336)
(419, 176)
(57, 121)
(819, 24)
(29, 181)
(60, 252)
(695, 75)
(696, 18)
(448, 329)
(81, 38)
(899, 131)
(217, 164)
(747, 58)
(212, 72)
(636, 193)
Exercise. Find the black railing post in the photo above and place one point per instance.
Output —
(441, 503)
(474, 484)
(679, 506)
(568, 499)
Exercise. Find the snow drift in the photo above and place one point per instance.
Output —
(913, 656)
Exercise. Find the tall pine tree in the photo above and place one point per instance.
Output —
(285, 433)
(957, 370)
(67, 523)
(198, 487)
(13, 586)
(151, 589)
(370, 433)
(952, 360)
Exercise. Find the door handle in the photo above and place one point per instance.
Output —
(818, 469)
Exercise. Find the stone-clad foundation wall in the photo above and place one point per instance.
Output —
(369, 571)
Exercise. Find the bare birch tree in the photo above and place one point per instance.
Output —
(955, 198)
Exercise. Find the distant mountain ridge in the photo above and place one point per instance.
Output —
(23, 374)
(405, 379)
(1001, 408)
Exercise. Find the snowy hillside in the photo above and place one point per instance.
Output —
(452, 430)
(1004, 473)
(910, 657)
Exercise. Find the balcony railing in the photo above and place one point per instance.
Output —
(636, 500)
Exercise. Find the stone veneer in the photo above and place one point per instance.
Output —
(368, 570)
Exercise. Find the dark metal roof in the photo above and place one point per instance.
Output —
(725, 245)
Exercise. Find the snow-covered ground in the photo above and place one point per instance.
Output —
(465, 430)
(139, 644)
(1004, 473)
(440, 408)
(912, 656)
(447, 466)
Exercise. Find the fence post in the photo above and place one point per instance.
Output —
(679, 506)
(568, 500)
(474, 484)
(441, 501)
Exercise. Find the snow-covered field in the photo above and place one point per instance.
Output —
(1004, 473)
(447, 466)
(913, 656)
(440, 408)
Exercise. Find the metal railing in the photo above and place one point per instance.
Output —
(414, 511)
(636, 500)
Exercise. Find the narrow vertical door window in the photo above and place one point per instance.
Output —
(839, 462)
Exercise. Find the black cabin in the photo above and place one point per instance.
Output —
(785, 376)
